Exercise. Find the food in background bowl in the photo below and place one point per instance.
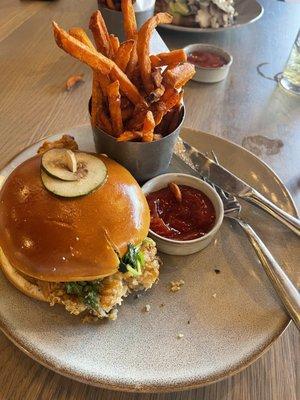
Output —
(112, 4)
(211, 62)
(199, 13)
(113, 16)
(206, 59)
(78, 236)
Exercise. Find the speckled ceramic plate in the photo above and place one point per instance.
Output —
(248, 11)
(228, 319)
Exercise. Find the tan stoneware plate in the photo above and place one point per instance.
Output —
(227, 319)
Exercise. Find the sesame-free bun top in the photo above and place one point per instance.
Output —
(58, 239)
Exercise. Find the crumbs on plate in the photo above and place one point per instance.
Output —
(147, 308)
(175, 286)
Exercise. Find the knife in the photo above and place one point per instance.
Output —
(224, 179)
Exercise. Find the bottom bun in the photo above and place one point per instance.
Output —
(21, 283)
(109, 293)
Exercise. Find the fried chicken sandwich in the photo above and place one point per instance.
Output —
(74, 231)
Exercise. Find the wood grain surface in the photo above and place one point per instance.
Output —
(246, 108)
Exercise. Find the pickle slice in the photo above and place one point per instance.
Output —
(91, 173)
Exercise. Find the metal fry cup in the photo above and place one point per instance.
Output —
(143, 160)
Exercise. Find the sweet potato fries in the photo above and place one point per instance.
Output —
(133, 91)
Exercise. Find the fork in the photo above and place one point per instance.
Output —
(284, 287)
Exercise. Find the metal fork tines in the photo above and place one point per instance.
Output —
(284, 287)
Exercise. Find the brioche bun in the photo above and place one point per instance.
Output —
(19, 281)
(58, 239)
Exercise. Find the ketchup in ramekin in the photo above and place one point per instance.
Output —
(206, 59)
(187, 216)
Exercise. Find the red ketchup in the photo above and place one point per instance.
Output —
(188, 219)
(206, 59)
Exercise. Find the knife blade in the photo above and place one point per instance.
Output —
(226, 180)
(208, 169)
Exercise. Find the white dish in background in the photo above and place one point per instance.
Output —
(248, 11)
(228, 318)
(210, 74)
(186, 247)
(114, 19)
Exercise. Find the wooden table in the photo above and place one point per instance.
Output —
(246, 108)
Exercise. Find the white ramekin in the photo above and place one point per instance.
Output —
(210, 75)
(179, 247)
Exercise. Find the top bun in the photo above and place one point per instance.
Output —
(58, 239)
